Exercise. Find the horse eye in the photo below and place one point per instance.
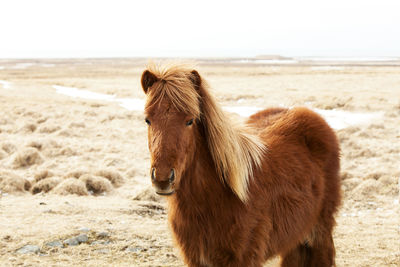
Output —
(147, 121)
(189, 122)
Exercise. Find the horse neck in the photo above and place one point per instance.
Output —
(200, 185)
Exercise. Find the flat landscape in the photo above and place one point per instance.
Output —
(74, 164)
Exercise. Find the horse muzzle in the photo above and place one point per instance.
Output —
(163, 186)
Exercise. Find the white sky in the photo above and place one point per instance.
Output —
(86, 28)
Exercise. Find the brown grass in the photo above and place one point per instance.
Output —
(113, 176)
(12, 183)
(49, 128)
(27, 157)
(29, 127)
(36, 144)
(3, 154)
(71, 186)
(367, 230)
(46, 185)
(96, 184)
(42, 175)
(76, 173)
(8, 147)
(147, 194)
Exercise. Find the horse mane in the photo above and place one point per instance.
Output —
(173, 82)
(234, 150)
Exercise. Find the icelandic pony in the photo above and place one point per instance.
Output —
(238, 195)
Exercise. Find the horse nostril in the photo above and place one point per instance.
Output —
(172, 176)
(153, 174)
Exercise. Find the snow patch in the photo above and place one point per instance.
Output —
(337, 119)
(127, 103)
(5, 84)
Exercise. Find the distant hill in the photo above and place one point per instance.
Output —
(272, 57)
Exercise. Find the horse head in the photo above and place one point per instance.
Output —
(172, 114)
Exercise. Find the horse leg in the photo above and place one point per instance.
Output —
(322, 247)
(320, 239)
(318, 251)
(297, 257)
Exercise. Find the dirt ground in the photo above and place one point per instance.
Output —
(72, 166)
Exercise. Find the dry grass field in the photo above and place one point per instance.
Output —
(74, 172)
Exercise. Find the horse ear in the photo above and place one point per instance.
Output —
(148, 79)
(195, 78)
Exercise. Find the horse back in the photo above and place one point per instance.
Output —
(298, 125)
(265, 118)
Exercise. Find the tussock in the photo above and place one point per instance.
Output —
(113, 176)
(41, 120)
(12, 183)
(349, 184)
(345, 175)
(389, 186)
(54, 143)
(376, 126)
(361, 153)
(148, 195)
(42, 175)
(77, 125)
(3, 154)
(351, 129)
(335, 103)
(131, 173)
(36, 144)
(375, 175)
(368, 189)
(90, 113)
(76, 174)
(96, 184)
(71, 186)
(388, 180)
(29, 128)
(4, 121)
(45, 185)
(65, 133)
(27, 157)
(49, 128)
(67, 151)
(9, 147)
(113, 161)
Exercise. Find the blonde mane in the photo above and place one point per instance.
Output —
(175, 84)
(235, 152)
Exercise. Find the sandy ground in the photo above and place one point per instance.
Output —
(71, 166)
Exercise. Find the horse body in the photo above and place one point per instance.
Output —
(286, 206)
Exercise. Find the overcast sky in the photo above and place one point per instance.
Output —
(116, 28)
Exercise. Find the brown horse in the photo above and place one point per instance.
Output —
(240, 195)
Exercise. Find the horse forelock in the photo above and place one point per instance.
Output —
(174, 84)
